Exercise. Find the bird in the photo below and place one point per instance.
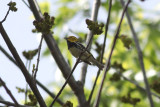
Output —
(76, 48)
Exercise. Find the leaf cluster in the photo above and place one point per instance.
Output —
(12, 6)
(95, 27)
(31, 96)
(68, 104)
(156, 86)
(30, 54)
(44, 25)
(129, 99)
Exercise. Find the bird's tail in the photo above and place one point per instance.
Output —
(98, 64)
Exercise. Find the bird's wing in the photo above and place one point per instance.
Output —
(80, 46)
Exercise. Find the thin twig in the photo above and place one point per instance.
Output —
(49, 92)
(26, 74)
(1, 98)
(9, 92)
(39, 51)
(5, 16)
(21, 65)
(7, 55)
(11, 104)
(96, 104)
(140, 55)
(26, 91)
(103, 48)
(26, 4)
(94, 15)
(74, 67)
(138, 86)
(59, 59)
(65, 82)
(40, 84)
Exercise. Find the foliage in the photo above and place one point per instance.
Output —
(31, 96)
(12, 6)
(124, 58)
(68, 104)
(95, 27)
(30, 54)
(44, 25)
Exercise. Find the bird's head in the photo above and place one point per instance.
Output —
(71, 39)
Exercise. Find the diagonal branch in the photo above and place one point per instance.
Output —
(5, 16)
(94, 15)
(27, 76)
(140, 55)
(104, 44)
(77, 62)
(9, 92)
(11, 104)
(138, 86)
(96, 104)
(26, 4)
(8, 56)
(38, 59)
(39, 83)
(55, 52)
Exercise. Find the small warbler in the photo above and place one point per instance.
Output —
(77, 48)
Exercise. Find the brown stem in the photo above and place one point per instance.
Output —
(11, 104)
(5, 16)
(94, 16)
(78, 60)
(38, 59)
(9, 92)
(59, 59)
(104, 42)
(40, 84)
(140, 55)
(96, 104)
(26, 74)
(138, 86)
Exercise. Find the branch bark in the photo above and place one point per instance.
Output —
(8, 56)
(140, 55)
(27, 76)
(103, 49)
(39, 83)
(138, 86)
(9, 92)
(94, 15)
(11, 104)
(55, 52)
(96, 104)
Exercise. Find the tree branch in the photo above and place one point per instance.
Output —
(11, 104)
(77, 62)
(39, 83)
(94, 15)
(55, 52)
(26, 4)
(27, 76)
(5, 16)
(103, 49)
(38, 59)
(9, 92)
(96, 104)
(140, 55)
(8, 56)
(50, 93)
(65, 82)
(138, 86)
